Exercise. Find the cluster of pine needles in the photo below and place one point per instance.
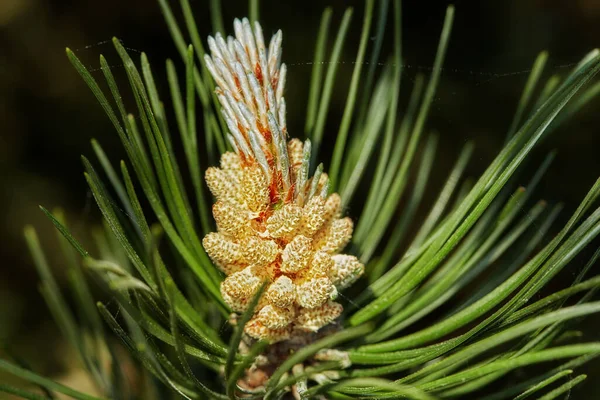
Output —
(164, 332)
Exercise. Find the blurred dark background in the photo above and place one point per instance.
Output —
(48, 115)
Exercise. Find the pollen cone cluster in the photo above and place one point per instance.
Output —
(275, 223)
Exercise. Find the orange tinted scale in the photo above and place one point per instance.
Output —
(244, 161)
(265, 132)
(258, 73)
(242, 130)
(274, 190)
(276, 265)
(290, 194)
